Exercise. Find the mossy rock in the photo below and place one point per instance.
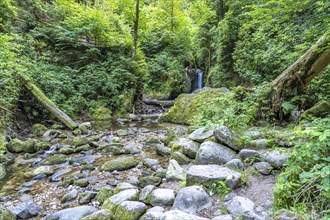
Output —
(174, 133)
(2, 139)
(186, 105)
(56, 159)
(85, 147)
(101, 112)
(94, 138)
(81, 182)
(121, 163)
(83, 129)
(38, 129)
(40, 145)
(57, 126)
(102, 214)
(320, 109)
(130, 210)
(88, 167)
(78, 141)
(18, 146)
(6, 214)
(76, 132)
(66, 183)
(66, 150)
(103, 195)
(180, 157)
(149, 180)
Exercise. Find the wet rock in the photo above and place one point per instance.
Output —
(6, 214)
(56, 177)
(201, 134)
(186, 146)
(148, 162)
(70, 196)
(162, 150)
(149, 180)
(86, 197)
(161, 197)
(180, 157)
(236, 164)
(56, 159)
(75, 213)
(208, 174)
(192, 199)
(86, 159)
(115, 149)
(227, 137)
(66, 150)
(175, 171)
(4, 199)
(103, 214)
(180, 215)
(38, 129)
(238, 205)
(81, 182)
(154, 213)
(213, 153)
(78, 141)
(25, 211)
(249, 154)
(275, 158)
(114, 201)
(48, 170)
(2, 171)
(263, 168)
(145, 193)
(121, 163)
(143, 130)
(284, 214)
(103, 195)
(130, 210)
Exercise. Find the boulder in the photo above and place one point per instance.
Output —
(213, 153)
(227, 137)
(154, 213)
(236, 164)
(180, 215)
(238, 205)
(175, 171)
(186, 146)
(120, 163)
(114, 201)
(192, 199)
(75, 213)
(103, 214)
(320, 109)
(18, 146)
(275, 158)
(70, 196)
(161, 197)
(48, 170)
(263, 167)
(208, 174)
(201, 134)
(130, 210)
(145, 193)
(26, 211)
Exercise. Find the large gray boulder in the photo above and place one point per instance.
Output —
(201, 134)
(162, 197)
(227, 137)
(180, 215)
(192, 199)
(130, 210)
(238, 205)
(75, 213)
(175, 171)
(213, 153)
(275, 158)
(208, 174)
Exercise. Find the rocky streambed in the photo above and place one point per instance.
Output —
(138, 171)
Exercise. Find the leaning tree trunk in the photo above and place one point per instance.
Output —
(40, 96)
(295, 78)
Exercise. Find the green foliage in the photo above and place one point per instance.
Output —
(219, 188)
(303, 186)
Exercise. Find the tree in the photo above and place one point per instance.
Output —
(294, 79)
(136, 28)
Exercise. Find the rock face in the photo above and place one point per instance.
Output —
(121, 163)
(213, 153)
(162, 197)
(201, 134)
(238, 205)
(75, 213)
(192, 199)
(130, 210)
(228, 138)
(180, 215)
(208, 174)
(175, 171)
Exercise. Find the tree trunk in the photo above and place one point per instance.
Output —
(136, 28)
(40, 96)
(294, 79)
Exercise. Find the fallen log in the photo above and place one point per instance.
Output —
(47, 103)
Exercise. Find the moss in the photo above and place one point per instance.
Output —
(76, 131)
(101, 112)
(320, 109)
(56, 159)
(57, 126)
(66, 183)
(85, 147)
(38, 129)
(78, 141)
(121, 163)
(66, 150)
(88, 167)
(2, 139)
(94, 138)
(18, 146)
(180, 157)
(2, 171)
(6, 214)
(128, 214)
(42, 145)
(149, 180)
(103, 195)
(103, 214)
(81, 182)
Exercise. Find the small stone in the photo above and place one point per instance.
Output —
(238, 205)
(275, 158)
(162, 197)
(121, 163)
(249, 154)
(66, 150)
(180, 157)
(114, 201)
(235, 163)
(148, 162)
(102, 214)
(263, 167)
(48, 170)
(56, 159)
(284, 214)
(161, 150)
(83, 148)
(122, 132)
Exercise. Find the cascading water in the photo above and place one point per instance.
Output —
(199, 78)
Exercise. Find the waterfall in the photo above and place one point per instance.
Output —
(199, 78)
